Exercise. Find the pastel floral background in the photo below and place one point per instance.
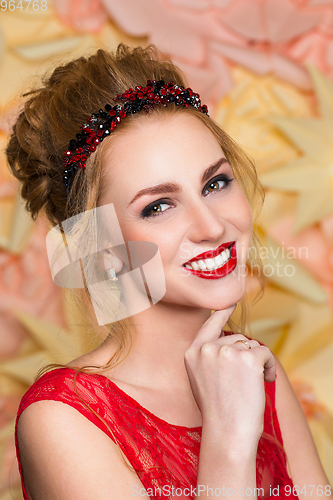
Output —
(265, 68)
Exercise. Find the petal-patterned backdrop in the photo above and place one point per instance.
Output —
(265, 68)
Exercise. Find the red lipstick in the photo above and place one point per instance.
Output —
(211, 253)
(227, 268)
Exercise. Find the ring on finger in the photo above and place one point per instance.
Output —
(244, 342)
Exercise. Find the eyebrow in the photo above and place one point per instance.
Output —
(212, 169)
(171, 187)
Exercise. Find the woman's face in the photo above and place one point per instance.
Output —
(171, 185)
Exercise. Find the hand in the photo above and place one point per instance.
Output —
(227, 380)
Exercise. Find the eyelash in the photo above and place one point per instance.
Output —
(145, 212)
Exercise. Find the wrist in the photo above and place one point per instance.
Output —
(234, 446)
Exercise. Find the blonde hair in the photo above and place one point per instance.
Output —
(52, 115)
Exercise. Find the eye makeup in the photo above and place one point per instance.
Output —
(214, 185)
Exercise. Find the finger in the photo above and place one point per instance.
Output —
(236, 337)
(244, 343)
(268, 362)
(212, 328)
(266, 356)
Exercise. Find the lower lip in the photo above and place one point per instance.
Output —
(227, 268)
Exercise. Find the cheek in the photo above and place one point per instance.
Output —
(245, 227)
(248, 221)
(243, 214)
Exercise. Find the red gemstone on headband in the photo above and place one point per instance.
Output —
(101, 124)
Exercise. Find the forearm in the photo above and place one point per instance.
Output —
(225, 470)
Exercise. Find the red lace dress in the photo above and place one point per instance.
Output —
(165, 456)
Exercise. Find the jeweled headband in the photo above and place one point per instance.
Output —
(102, 123)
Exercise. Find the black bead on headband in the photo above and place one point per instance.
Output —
(102, 123)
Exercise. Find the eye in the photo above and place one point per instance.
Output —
(155, 208)
(217, 184)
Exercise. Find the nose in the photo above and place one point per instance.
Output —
(204, 224)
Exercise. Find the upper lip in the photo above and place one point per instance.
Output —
(211, 253)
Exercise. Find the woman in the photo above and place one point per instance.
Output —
(182, 412)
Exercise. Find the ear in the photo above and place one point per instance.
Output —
(112, 260)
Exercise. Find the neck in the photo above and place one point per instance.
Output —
(161, 336)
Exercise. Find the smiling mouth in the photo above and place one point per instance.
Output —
(214, 266)
(211, 264)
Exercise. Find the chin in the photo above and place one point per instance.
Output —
(207, 294)
(213, 300)
(219, 303)
(222, 294)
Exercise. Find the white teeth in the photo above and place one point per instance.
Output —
(210, 264)
(202, 265)
(225, 254)
(219, 260)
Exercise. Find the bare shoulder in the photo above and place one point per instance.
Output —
(303, 460)
(65, 456)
